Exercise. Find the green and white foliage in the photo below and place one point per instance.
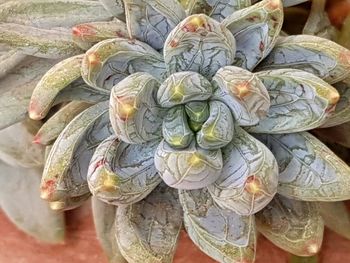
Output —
(146, 101)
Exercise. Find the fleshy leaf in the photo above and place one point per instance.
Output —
(308, 170)
(243, 92)
(134, 114)
(69, 202)
(255, 29)
(190, 46)
(17, 87)
(197, 111)
(189, 168)
(292, 225)
(20, 201)
(112, 60)
(53, 43)
(52, 128)
(104, 221)
(88, 34)
(65, 171)
(222, 234)
(151, 21)
(176, 131)
(9, 59)
(52, 13)
(183, 87)
(218, 129)
(148, 230)
(51, 84)
(321, 57)
(300, 101)
(115, 7)
(217, 9)
(17, 149)
(341, 114)
(336, 217)
(121, 173)
(249, 175)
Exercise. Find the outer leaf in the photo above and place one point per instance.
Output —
(121, 173)
(51, 84)
(45, 43)
(110, 61)
(287, 3)
(175, 128)
(292, 225)
(20, 201)
(52, 128)
(221, 234)
(189, 168)
(89, 34)
(341, 113)
(17, 149)
(115, 7)
(299, 101)
(104, 220)
(255, 29)
(183, 87)
(336, 217)
(243, 92)
(9, 59)
(321, 57)
(309, 170)
(217, 9)
(17, 87)
(189, 46)
(65, 171)
(147, 231)
(69, 202)
(249, 176)
(52, 13)
(151, 21)
(218, 129)
(134, 114)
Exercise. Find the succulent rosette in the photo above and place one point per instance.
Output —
(193, 112)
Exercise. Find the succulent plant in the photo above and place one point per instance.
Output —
(189, 111)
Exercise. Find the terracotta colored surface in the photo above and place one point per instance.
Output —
(82, 247)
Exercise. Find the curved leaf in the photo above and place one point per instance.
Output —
(189, 168)
(112, 60)
(151, 21)
(121, 173)
(189, 46)
(115, 7)
(9, 59)
(222, 234)
(243, 92)
(292, 225)
(134, 114)
(148, 230)
(321, 57)
(299, 101)
(249, 175)
(65, 171)
(255, 29)
(309, 170)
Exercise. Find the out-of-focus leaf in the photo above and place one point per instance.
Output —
(189, 168)
(287, 3)
(292, 225)
(321, 57)
(46, 43)
(308, 170)
(52, 128)
(20, 201)
(249, 175)
(190, 46)
(9, 59)
(112, 60)
(222, 234)
(104, 220)
(255, 29)
(115, 7)
(148, 231)
(121, 173)
(299, 101)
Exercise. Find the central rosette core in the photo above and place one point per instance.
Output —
(194, 113)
